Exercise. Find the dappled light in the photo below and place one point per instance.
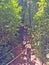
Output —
(24, 32)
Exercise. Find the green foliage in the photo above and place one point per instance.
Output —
(40, 26)
(10, 12)
(9, 19)
(40, 13)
